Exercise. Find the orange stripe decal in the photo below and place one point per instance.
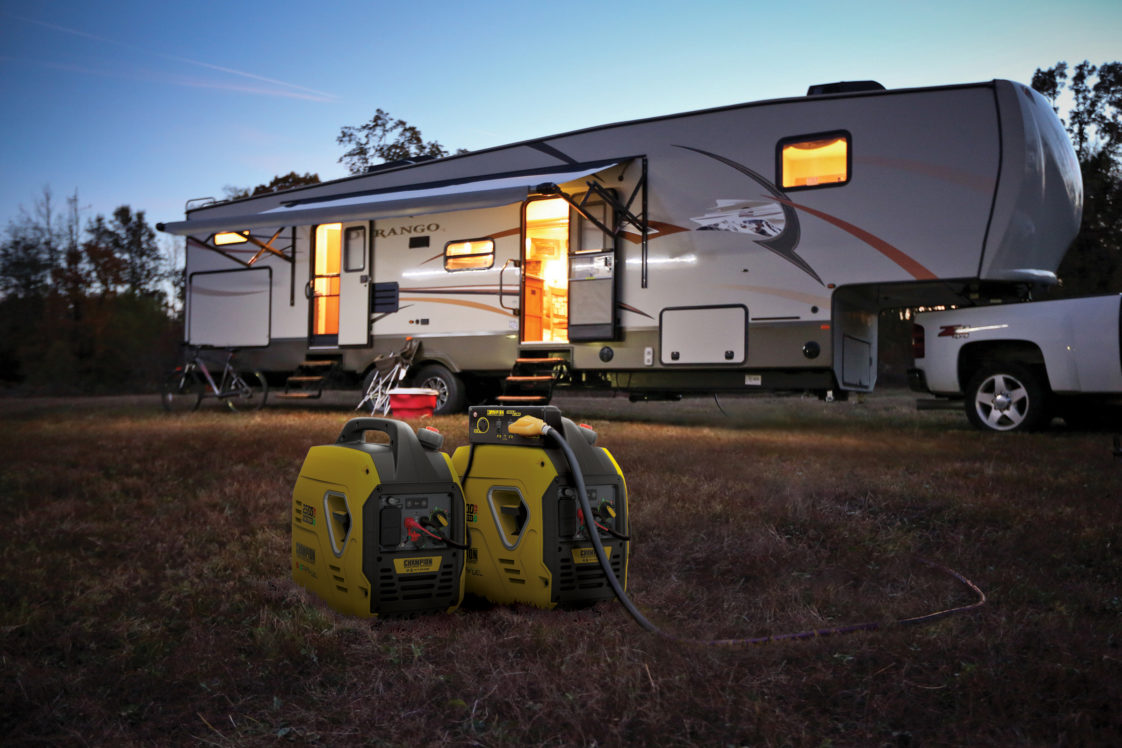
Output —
(455, 302)
(908, 263)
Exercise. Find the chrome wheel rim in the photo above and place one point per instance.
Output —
(1002, 402)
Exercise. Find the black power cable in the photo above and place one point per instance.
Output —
(578, 477)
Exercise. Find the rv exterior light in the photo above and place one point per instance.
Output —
(546, 188)
(230, 237)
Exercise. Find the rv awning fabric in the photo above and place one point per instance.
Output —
(485, 192)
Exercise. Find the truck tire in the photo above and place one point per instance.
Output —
(449, 388)
(1006, 396)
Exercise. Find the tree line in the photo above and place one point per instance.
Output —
(85, 308)
(98, 307)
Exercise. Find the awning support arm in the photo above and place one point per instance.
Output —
(622, 210)
(267, 247)
(263, 247)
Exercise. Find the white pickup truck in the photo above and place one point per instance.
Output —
(1015, 366)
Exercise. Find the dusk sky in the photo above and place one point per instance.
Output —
(151, 103)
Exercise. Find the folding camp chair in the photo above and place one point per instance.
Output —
(388, 372)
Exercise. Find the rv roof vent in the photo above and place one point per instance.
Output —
(398, 163)
(843, 87)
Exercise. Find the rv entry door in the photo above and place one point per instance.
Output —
(338, 289)
(354, 285)
(545, 275)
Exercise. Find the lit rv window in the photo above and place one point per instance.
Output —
(354, 248)
(229, 237)
(814, 161)
(477, 254)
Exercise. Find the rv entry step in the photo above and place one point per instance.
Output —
(532, 378)
(310, 378)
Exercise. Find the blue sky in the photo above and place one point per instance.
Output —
(153, 103)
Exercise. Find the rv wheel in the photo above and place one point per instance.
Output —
(449, 388)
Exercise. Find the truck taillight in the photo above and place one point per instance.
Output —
(918, 347)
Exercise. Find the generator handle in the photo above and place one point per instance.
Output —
(354, 429)
(408, 454)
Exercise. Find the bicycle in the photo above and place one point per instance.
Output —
(389, 370)
(185, 388)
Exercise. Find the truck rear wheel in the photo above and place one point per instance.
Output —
(1006, 397)
(449, 388)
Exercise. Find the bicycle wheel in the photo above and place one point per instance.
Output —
(248, 391)
(182, 391)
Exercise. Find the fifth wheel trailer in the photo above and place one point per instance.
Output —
(742, 248)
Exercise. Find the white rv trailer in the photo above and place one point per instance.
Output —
(734, 249)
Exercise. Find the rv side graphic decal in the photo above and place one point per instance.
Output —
(760, 218)
(787, 240)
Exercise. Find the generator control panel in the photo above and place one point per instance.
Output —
(490, 424)
(414, 521)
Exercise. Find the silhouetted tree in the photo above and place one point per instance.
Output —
(278, 184)
(1050, 82)
(1093, 264)
(31, 248)
(384, 139)
(82, 311)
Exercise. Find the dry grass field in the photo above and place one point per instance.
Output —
(146, 596)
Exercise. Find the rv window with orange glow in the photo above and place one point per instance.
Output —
(818, 161)
(477, 254)
(229, 237)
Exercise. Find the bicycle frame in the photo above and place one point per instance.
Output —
(218, 391)
(237, 389)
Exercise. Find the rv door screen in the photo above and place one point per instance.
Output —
(592, 277)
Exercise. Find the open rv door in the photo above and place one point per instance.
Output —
(354, 285)
(339, 285)
(592, 275)
(570, 259)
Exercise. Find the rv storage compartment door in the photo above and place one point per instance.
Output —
(229, 308)
(703, 335)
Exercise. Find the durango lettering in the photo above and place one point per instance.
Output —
(419, 228)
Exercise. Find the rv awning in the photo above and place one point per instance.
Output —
(436, 197)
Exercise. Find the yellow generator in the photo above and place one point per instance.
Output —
(378, 529)
(529, 539)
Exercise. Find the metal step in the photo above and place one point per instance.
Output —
(535, 378)
(522, 398)
(297, 395)
(550, 361)
(305, 379)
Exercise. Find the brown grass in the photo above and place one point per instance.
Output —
(145, 594)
